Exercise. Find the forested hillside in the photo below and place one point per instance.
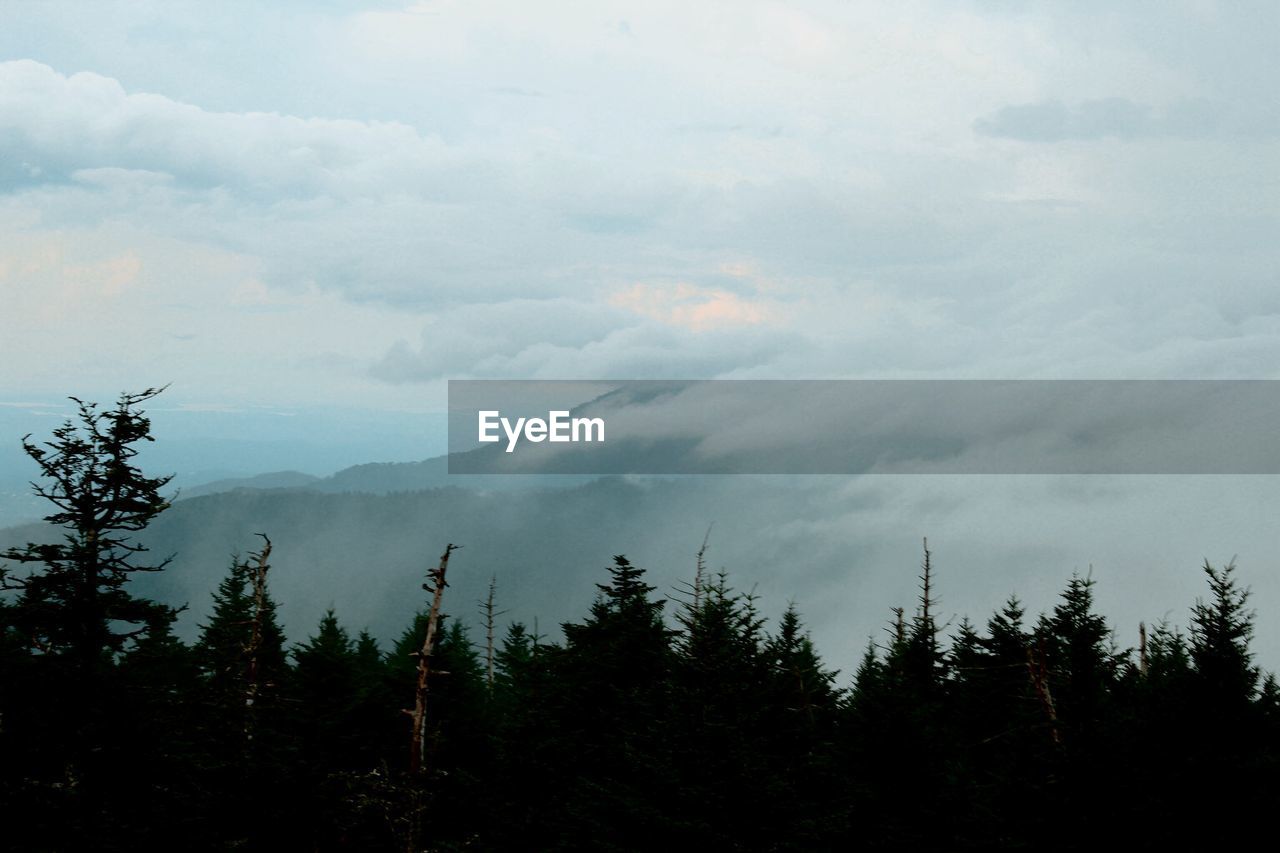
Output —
(643, 723)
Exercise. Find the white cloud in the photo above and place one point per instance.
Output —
(87, 124)
(511, 190)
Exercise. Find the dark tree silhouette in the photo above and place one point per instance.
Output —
(1221, 630)
(74, 606)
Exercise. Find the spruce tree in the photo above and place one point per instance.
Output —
(800, 706)
(324, 692)
(1082, 664)
(74, 607)
(1221, 630)
(525, 736)
(74, 613)
(612, 709)
(153, 722)
(1076, 673)
(244, 730)
(222, 650)
(717, 726)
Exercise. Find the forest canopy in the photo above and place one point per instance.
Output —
(651, 721)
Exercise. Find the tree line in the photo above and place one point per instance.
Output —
(688, 721)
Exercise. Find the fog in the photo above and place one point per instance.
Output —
(844, 549)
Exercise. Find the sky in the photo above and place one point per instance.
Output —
(319, 212)
(343, 204)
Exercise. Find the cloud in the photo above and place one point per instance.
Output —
(377, 179)
(980, 427)
(1121, 118)
(562, 338)
(694, 308)
(88, 126)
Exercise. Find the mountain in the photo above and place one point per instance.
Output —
(366, 553)
(844, 548)
(273, 480)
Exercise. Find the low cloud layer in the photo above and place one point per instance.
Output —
(876, 427)
(1121, 118)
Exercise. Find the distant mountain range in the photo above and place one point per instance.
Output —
(845, 549)
(361, 539)
(383, 478)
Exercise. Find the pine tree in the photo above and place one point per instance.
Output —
(611, 712)
(458, 743)
(513, 659)
(324, 689)
(804, 686)
(1168, 658)
(1082, 665)
(718, 729)
(1221, 630)
(450, 798)
(901, 741)
(623, 646)
(526, 737)
(922, 660)
(369, 661)
(239, 691)
(800, 715)
(74, 612)
(1075, 670)
(458, 715)
(153, 723)
(75, 607)
(1000, 704)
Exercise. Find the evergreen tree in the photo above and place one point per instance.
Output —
(459, 748)
(717, 722)
(514, 660)
(1005, 728)
(902, 744)
(222, 653)
(1082, 665)
(245, 736)
(456, 793)
(324, 691)
(73, 612)
(1076, 675)
(611, 712)
(1233, 757)
(526, 740)
(800, 716)
(868, 682)
(368, 657)
(804, 686)
(75, 608)
(921, 658)
(323, 695)
(1221, 630)
(152, 721)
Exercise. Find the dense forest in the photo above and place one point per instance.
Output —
(652, 722)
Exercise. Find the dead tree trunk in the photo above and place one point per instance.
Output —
(1142, 647)
(435, 585)
(926, 588)
(1039, 677)
(259, 581)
